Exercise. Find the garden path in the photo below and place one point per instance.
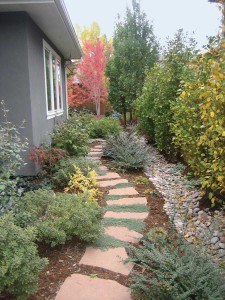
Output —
(124, 211)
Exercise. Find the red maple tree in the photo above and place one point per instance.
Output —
(89, 82)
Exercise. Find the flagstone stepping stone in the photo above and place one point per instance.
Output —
(97, 150)
(125, 215)
(128, 201)
(95, 154)
(109, 175)
(110, 259)
(93, 158)
(103, 168)
(123, 234)
(123, 191)
(111, 182)
(83, 287)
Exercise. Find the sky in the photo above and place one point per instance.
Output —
(167, 16)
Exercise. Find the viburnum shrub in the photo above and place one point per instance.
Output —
(81, 184)
(199, 119)
(46, 156)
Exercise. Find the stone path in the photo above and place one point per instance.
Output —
(111, 257)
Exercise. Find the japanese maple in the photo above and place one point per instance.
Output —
(89, 82)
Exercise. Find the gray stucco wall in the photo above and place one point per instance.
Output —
(22, 81)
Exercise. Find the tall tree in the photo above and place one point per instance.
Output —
(135, 50)
(89, 82)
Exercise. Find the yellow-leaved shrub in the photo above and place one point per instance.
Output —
(80, 184)
(199, 120)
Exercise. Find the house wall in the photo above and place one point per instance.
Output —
(22, 80)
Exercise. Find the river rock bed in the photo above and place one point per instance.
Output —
(198, 226)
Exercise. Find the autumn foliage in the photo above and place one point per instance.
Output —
(89, 83)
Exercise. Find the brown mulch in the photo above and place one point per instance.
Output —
(64, 260)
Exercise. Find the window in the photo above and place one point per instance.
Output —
(53, 82)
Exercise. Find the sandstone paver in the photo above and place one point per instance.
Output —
(96, 149)
(123, 191)
(109, 175)
(111, 182)
(94, 153)
(123, 234)
(125, 215)
(83, 287)
(110, 259)
(103, 168)
(128, 201)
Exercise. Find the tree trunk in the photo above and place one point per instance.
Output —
(131, 117)
(98, 108)
(125, 118)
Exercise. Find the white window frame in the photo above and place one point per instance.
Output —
(56, 111)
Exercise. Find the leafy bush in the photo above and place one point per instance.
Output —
(160, 90)
(64, 169)
(127, 150)
(12, 144)
(201, 137)
(174, 272)
(46, 157)
(80, 184)
(100, 128)
(72, 136)
(19, 260)
(59, 217)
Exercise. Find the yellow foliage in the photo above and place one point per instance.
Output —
(80, 184)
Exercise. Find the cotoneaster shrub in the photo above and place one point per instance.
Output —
(199, 120)
(59, 217)
(20, 264)
(170, 271)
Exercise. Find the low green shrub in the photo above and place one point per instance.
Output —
(72, 136)
(174, 272)
(127, 150)
(19, 260)
(65, 168)
(59, 217)
(100, 128)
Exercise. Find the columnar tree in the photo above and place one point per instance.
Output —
(135, 49)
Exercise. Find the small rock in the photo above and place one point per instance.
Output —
(214, 240)
(221, 253)
(196, 210)
(222, 245)
(222, 239)
(216, 233)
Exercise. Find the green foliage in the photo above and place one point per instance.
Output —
(107, 241)
(174, 272)
(141, 180)
(132, 224)
(102, 127)
(160, 91)
(12, 145)
(59, 217)
(128, 151)
(72, 136)
(201, 137)
(64, 169)
(135, 49)
(19, 260)
(138, 208)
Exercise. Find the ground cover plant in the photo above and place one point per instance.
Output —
(127, 150)
(59, 217)
(174, 271)
(20, 264)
